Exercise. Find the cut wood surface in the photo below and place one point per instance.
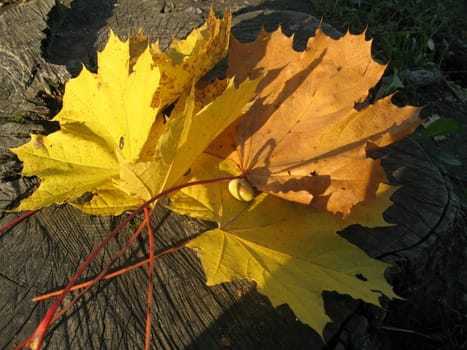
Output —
(41, 253)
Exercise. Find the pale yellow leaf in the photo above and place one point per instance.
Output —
(291, 251)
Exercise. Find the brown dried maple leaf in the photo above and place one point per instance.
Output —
(304, 139)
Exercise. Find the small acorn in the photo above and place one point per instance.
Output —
(240, 189)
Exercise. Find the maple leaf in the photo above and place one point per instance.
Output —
(304, 139)
(290, 250)
(94, 126)
(113, 141)
(188, 60)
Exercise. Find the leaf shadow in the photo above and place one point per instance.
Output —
(72, 31)
(250, 125)
(254, 323)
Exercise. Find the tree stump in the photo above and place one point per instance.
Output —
(41, 253)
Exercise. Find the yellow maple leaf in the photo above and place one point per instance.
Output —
(305, 139)
(291, 251)
(107, 124)
(188, 60)
(94, 126)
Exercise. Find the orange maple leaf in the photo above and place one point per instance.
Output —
(304, 139)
